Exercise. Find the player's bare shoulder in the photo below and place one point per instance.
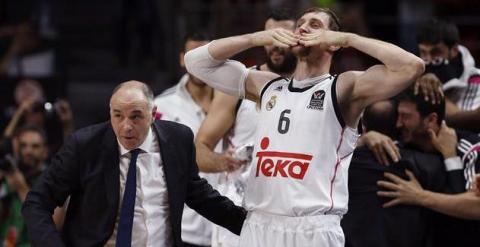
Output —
(346, 84)
(255, 82)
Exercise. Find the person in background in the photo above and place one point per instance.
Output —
(188, 103)
(421, 127)
(18, 173)
(402, 226)
(234, 121)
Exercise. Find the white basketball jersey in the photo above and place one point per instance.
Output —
(245, 124)
(302, 151)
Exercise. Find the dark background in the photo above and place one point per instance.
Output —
(99, 44)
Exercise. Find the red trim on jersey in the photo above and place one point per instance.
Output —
(284, 155)
(335, 172)
(230, 142)
(346, 156)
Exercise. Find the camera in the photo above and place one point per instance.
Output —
(244, 152)
(8, 163)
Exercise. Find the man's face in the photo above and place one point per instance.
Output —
(435, 53)
(131, 117)
(277, 57)
(310, 23)
(32, 148)
(410, 123)
(190, 45)
(28, 90)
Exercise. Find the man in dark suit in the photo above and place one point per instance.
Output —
(367, 223)
(127, 179)
(422, 127)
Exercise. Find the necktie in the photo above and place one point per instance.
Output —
(124, 233)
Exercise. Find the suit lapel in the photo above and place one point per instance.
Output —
(172, 170)
(167, 151)
(109, 158)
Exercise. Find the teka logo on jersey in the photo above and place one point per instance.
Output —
(281, 164)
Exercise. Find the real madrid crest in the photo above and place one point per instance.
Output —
(271, 103)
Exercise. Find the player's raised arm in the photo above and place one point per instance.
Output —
(210, 62)
(398, 70)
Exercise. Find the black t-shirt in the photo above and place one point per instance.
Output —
(367, 223)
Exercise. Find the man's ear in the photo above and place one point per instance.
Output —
(432, 120)
(181, 59)
(454, 51)
(154, 112)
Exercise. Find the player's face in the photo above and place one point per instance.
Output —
(410, 123)
(190, 45)
(131, 117)
(309, 23)
(277, 56)
(434, 53)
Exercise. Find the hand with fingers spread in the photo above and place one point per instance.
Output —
(430, 87)
(382, 146)
(401, 191)
(279, 37)
(445, 141)
(324, 38)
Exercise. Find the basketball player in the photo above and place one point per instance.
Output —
(297, 189)
(187, 103)
(237, 120)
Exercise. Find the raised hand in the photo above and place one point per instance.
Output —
(430, 87)
(64, 111)
(279, 37)
(324, 38)
(445, 141)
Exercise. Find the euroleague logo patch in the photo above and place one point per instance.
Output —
(281, 164)
(316, 101)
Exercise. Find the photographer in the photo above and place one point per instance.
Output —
(18, 172)
(31, 108)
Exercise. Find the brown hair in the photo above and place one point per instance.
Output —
(333, 22)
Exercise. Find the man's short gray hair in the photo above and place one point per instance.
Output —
(144, 88)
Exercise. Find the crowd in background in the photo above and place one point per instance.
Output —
(415, 149)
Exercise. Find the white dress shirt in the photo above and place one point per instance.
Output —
(176, 104)
(151, 222)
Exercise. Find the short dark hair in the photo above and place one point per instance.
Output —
(435, 31)
(424, 107)
(32, 128)
(334, 21)
(198, 35)
(281, 14)
(381, 118)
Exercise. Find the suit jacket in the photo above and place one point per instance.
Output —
(367, 223)
(87, 169)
